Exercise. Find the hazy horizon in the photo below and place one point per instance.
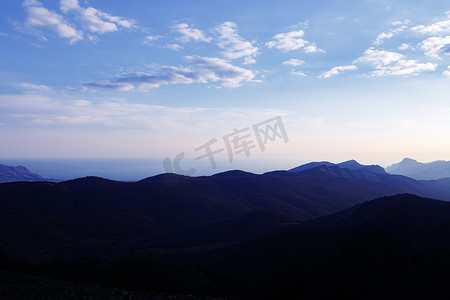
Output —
(133, 169)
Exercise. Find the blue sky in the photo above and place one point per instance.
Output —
(367, 80)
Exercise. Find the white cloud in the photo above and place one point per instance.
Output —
(397, 23)
(39, 16)
(404, 46)
(337, 70)
(404, 67)
(392, 63)
(233, 44)
(93, 19)
(34, 87)
(90, 19)
(447, 72)
(175, 47)
(312, 48)
(379, 57)
(152, 38)
(67, 5)
(189, 33)
(249, 61)
(298, 73)
(293, 62)
(203, 70)
(434, 45)
(401, 26)
(441, 27)
(382, 36)
(292, 40)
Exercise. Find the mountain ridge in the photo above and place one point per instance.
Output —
(421, 171)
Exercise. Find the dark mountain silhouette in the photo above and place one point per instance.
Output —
(89, 215)
(308, 234)
(19, 173)
(312, 233)
(421, 171)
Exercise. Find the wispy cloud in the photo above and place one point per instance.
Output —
(233, 44)
(50, 112)
(202, 70)
(298, 73)
(39, 16)
(93, 19)
(90, 19)
(151, 39)
(190, 34)
(31, 87)
(337, 70)
(118, 86)
(293, 62)
(175, 47)
(405, 46)
(401, 26)
(392, 63)
(405, 67)
(292, 40)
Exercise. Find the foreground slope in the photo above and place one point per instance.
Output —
(392, 247)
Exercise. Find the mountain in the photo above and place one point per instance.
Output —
(439, 189)
(19, 173)
(89, 215)
(311, 165)
(351, 165)
(312, 234)
(391, 247)
(421, 171)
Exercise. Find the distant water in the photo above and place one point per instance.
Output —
(133, 169)
(116, 169)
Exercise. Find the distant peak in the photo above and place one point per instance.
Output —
(406, 160)
(350, 164)
(233, 173)
(351, 161)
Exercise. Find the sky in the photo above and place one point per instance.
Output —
(165, 80)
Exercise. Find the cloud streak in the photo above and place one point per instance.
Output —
(293, 62)
(202, 70)
(337, 70)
